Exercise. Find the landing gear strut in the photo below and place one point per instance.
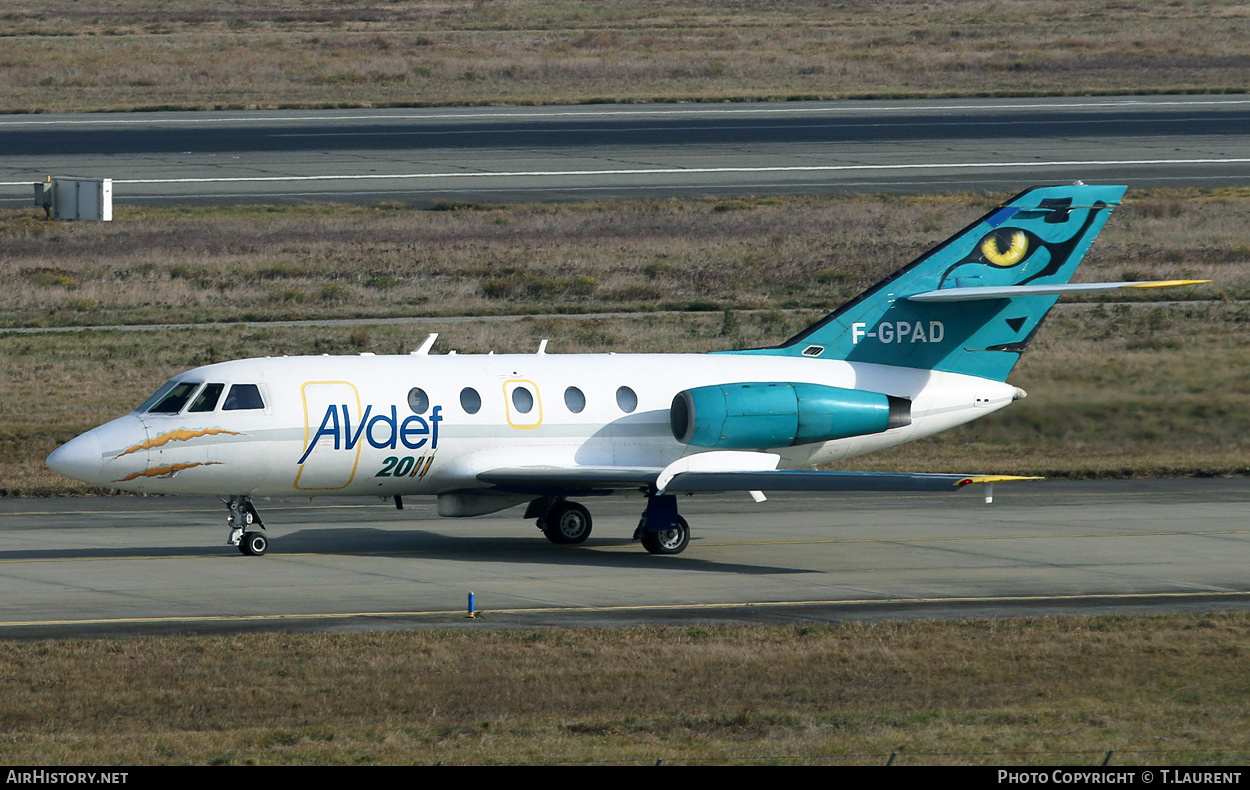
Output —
(242, 516)
(561, 521)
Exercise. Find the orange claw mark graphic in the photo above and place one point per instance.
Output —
(180, 435)
(161, 471)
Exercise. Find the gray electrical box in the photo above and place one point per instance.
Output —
(76, 198)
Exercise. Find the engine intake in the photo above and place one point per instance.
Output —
(761, 415)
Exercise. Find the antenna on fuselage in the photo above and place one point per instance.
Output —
(424, 349)
(542, 347)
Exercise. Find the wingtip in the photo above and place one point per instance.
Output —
(1166, 283)
(982, 479)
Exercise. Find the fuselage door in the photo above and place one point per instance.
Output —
(330, 453)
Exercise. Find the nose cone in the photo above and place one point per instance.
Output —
(104, 456)
(79, 458)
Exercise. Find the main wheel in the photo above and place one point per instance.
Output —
(254, 544)
(668, 541)
(567, 522)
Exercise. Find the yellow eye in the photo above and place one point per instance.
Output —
(1017, 247)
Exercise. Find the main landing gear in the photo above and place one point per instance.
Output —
(561, 521)
(665, 541)
(661, 529)
(242, 516)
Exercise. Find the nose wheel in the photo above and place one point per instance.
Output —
(254, 544)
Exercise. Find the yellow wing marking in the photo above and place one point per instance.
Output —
(992, 479)
(1166, 283)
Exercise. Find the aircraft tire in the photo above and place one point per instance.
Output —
(254, 544)
(668, 541)
(567, 523)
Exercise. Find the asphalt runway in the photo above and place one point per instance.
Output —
(127, 565)
(505, 154)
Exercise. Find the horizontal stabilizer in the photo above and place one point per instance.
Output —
(827, 481)
(976, 293)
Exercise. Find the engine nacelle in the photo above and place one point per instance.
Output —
(760, 415)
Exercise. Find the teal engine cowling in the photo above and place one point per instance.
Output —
(760, 415)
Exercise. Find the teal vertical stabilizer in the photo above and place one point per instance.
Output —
(1038, 238)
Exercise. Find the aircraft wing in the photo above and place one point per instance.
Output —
(559, 481)
(784, 480)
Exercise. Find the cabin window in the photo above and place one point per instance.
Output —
(418, 401)
(470, 401)
(627, 399)
(243, 396)
(207, 399)
(177, 397)
(523, 400)
(575, 399)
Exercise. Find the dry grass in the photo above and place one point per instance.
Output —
(262, 263)
(1148, 390)
(1157, 690)
(218, 53)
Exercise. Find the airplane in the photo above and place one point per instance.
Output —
(926, 349)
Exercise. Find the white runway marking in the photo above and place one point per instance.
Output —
(688, 171)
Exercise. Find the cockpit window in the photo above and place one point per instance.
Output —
(176, 398)
(207, 399)
(155, 397)
(243, 396)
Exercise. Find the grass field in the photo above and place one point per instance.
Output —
(261, 263)
(1114, 390)
(1155, 690)
(200, 54)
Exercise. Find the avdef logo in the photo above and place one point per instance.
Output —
(382, 431)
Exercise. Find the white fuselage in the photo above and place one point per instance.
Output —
(345, 426)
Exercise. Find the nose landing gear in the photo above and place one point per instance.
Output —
(242, 516)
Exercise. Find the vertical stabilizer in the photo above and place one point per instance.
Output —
(1037, 238)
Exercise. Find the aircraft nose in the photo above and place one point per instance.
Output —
(79, 458)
